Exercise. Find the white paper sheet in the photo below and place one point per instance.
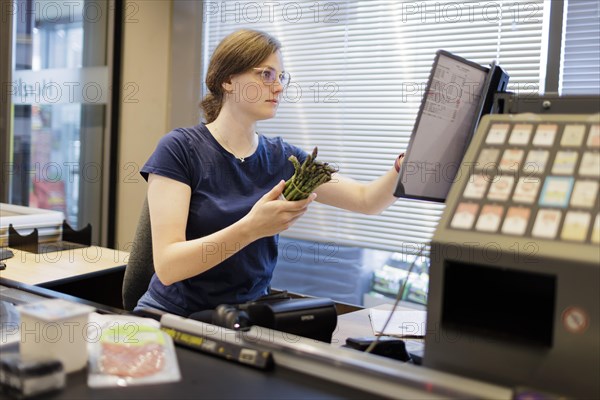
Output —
(404, 323)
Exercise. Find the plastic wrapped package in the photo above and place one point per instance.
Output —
(131, 351)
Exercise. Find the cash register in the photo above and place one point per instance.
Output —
(514, 294)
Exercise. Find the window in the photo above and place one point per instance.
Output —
(581, 48)
(58, 108)
(358, 71)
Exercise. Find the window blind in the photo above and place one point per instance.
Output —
(358, 71)
(580, 67)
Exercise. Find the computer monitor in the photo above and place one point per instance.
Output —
(458, 93)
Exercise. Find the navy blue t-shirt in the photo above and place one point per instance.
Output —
(224, 189)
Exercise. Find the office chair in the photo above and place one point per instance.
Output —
(140, 267)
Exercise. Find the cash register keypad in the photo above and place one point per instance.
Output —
(538, 180)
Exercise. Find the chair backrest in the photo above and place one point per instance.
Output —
(140, 266)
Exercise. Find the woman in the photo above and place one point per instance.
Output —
(214, 189)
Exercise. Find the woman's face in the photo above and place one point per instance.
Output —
(252, 93)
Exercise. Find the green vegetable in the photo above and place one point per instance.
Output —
(307, 177)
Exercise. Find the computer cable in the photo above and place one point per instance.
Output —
(397, 301)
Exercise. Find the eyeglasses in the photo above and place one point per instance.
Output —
(269, 76)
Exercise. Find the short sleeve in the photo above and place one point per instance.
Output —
(170, 159)
(296, 151)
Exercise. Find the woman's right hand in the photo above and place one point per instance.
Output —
(272, 215)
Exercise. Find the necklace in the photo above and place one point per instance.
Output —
(227, 147)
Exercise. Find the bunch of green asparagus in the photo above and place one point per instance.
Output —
(307, 177)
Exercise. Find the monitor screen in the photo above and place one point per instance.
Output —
(448, 116)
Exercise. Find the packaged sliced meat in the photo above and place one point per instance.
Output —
(132, 360)
(131, 351)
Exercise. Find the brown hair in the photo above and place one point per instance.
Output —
(237, 53)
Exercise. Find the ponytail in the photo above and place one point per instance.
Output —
(211, 106)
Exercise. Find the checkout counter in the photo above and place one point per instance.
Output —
(303, 368)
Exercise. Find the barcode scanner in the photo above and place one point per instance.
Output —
(224, 315)
(230, 317)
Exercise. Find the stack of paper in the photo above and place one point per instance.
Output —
(25, 219)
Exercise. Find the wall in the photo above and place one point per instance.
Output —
(161, 79)
(144, 104)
